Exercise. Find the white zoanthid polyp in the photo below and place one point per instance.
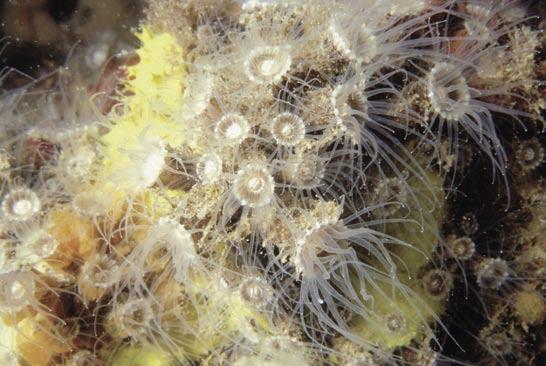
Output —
(485, 20)
(370, 34)
(267, 64)
(17, 291)
(448, 91)
(209, 168)
(20, 204)
(232, 129)
(254, 185)
(288, 129)
(462, 102)
(153, 162)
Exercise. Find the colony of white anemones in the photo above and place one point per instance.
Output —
(267, 183)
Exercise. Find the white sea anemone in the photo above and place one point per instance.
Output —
(267, 64)
(209, 168)
(334, 278)
(288, 129)
(197, 94)
(146, 162)
(231, 129)
(358, 44)
(254, 185)
(17, 291)
(448, 91)
(350, 107)
(169, 248)
(20, 204)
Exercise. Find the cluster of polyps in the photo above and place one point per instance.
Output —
(239, 201)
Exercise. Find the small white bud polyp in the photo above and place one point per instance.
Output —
(448, 91)
(209, 168)
(461, 248)
(530, 154)
(437, 282)
(256, 291)
(254, 185)
(20, 204)
(477, 25)
(492, 273)
(232, 129)
(396, 324)
(266, 65)
(288, 129)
